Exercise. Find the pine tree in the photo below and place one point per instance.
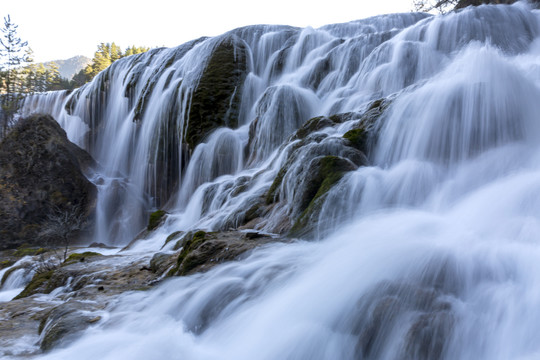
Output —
(106, 54)
(13, 53)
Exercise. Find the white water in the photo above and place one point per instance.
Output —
(440, 257)
(16, 280)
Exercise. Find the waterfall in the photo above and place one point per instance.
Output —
(428, 244)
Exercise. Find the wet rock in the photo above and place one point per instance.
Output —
(204, 250)
(44, 282)
(40, 171)
(81, 257)
(316, 161)
(156, 218)
(322, 174)
(161, 262)
(419, 308)
(215, 101)
(64, 322)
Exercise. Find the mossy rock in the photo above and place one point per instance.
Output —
(25, 251)
(183, 263)
(216, 100)
(80, 257)
(160, 262)
(203, 250)
(357, 138)
(64, 323)
(43, 282)
(312, 125)
(325, 173)
(6, 275)
(155, 219)
(278, 180)
(174, 236)
(6, 263)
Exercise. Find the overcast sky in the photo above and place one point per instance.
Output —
(60, 29)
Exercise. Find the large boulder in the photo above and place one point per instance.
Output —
(41, 177)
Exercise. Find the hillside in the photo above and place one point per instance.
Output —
(71, 66)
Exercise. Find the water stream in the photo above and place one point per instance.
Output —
(430, 252)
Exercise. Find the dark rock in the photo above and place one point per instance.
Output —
(161, 262)
(41, 171)
(322, 173)
(81, 257)
(421, 309)
(156, 218)
(203, 250)
(215, 101)
(44, 283)
(64, 322)
(317, 161)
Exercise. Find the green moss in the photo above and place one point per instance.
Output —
(41, 251)
(191, 244)
(215, 101)
(38, 281)
(6, 275)
(331, 170)
(357, 138)
(24, 251)
(173, 236)
(155, 219)
(6, 263)
(271, 194)
(80, 257)
(253, 212)
(43, 322)
(312, 125)
(199, 235)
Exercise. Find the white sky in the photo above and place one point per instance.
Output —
(60, 29)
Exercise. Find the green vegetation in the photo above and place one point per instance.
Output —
(6, 275)
(357, 138)
(175, 235)
(191, 244)
(105, 55)
(6, 263)
(26, 251)
(330, 170)
(38, 281)
(155, 219)
(13, 53)
(215, 101)
(76, 257)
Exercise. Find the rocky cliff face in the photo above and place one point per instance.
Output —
(41, 176)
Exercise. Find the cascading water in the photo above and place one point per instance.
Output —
(434, 246)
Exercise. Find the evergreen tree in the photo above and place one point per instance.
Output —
(115, 52)
(102, 59)
(13, 53)
(106, 54)
(132, 50)
(53, 78)
(79, 79)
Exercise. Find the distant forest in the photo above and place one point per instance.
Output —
(19, 75)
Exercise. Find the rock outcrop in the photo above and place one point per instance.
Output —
(216, 100)
(41, 176)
